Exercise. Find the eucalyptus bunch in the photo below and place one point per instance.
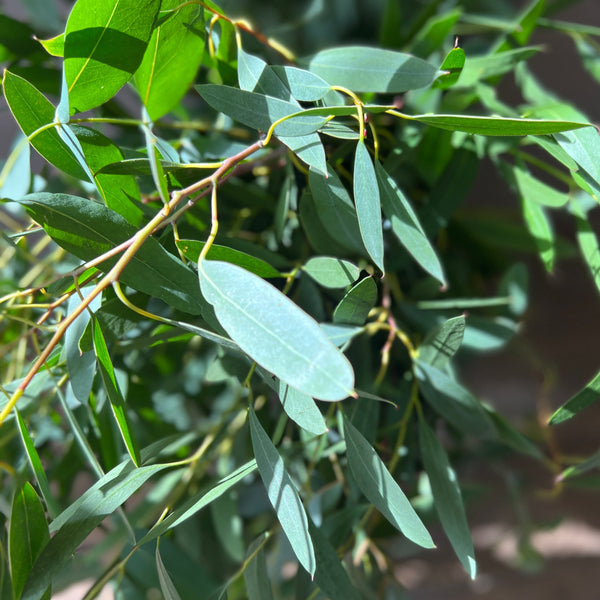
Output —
(232, 296)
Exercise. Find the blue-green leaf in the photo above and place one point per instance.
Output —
(282, 494)
(275, 332)
(256, 577)
(582, 399)
(365, 69)
(368, 206)
(447, 497)
(302, 409)
(442, 342)
(355, 306)
(304, 85)
(331, 272)
(406, 226)
(380, 488)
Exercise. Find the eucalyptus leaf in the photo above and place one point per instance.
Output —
(331, 272)
(582, 399)
(256, 577)
(356, 304)
(302, 410)
(442, 342)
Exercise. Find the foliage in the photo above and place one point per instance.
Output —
(233, 295)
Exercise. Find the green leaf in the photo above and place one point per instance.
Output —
(28, 535)
(368, 206)
(229, 526)
(434, 34)
(582, 399)
(32, 110)
(583, 146)
(167, 587)
(365, 69)
(256, 577)
(260, 112)
(340, 334)
(453, 402)
(335, 209)
(54, 46)
(330, 575)
(76, 522)
(304, 85)
(447, 497)
(380, 488)
(452, 68)
(406, 225)
(514, 439)
(255, 75)
(87, 229)
(587, 241)
(199, 501)
(302, 409)
(171, 59)
(275, 332)
(497, 125)
(535, 190)
(36, 466)
(282, 494)
(540, 228)
(105, 42)
(331, 272)
(113, 392)
(192, 248)
(355, 306)
(442, 342)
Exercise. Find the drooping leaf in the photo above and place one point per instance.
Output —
(167, 587)
(255, 75)
(335, 209)
(117, 403)
(76, 522)
(447, 497)
(380, 488)
(331, 272)
(365, 69)
(535, 190)
(453, 402)
(406, 225)
(87, 229)
(587, 241)
(582, 399)
(229, 526)
(282, 494)
(256, 577)
(199, 501)
(368, 206)
(434, 33)
(192, 248)
(32, 110)
(302, 409)
(105, 42)
(540, 228)
(275, 332)
(28, 535)
(354, 307)
(442, 342)
(171, 59)
(497, 125)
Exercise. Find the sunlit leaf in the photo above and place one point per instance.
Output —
(582, 399)
(380, 488)
(275, 332)
(331, 272)
(452, 67)
(282, 494)
(302, 409)
(355, 306)
(442, 342)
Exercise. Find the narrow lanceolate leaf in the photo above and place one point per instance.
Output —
(105, 42)
(355, 306)
(535, 190)
(368, 206)
(88, 229)
(32, 110)
(540, 228)
(282, 494)
(199, 501)
(75, 523)
(36, 466)
(171, 59)
(330, 576)
(453, 402)
(256, 577)
(381, 489)
(582, 399)
(588, 242)
(406, 225)
(331, 272)
(275, 332)
(364, 69)
(497, 125)
(167, 587)
(27, 536)
(260, 112)
(442, 342)
(335, 209)
(302, 409)
(113, 392)
(447, 497)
